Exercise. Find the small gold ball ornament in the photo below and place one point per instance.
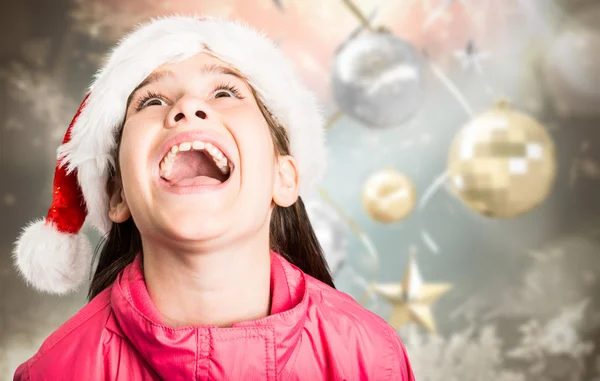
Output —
(503, 163)
(388, 196)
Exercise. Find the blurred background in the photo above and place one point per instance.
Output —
(461, 201)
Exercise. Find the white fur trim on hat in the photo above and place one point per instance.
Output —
(175, 39)
(50, 260)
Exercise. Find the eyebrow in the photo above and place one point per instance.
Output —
(212, 70)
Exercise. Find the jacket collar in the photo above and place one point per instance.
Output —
(138, 320)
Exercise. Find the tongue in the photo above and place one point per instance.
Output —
(194, 168)
(198, 180)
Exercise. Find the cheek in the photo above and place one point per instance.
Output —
(133, 154)
(256, 151)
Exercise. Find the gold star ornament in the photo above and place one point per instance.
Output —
(412, 299)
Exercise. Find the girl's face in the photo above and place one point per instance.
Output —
(222, 187)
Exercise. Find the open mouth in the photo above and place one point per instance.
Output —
(195, 163)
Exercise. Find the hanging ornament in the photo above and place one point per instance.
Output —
(470, 57)
(378, 79)
(572, 66)
(388, 196)
(411, 300)
(330, 231)
(502, 164)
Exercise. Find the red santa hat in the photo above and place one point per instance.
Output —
(53, 254)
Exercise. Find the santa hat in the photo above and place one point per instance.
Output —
(53, 254)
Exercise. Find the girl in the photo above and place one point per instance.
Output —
(190, 152)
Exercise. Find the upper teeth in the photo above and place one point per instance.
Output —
(166, 164)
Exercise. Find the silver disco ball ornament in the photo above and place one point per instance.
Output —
(330, 231)
(378, 79)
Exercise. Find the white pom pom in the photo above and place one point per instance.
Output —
(52, 261)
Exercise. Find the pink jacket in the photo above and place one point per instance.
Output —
(314, 333)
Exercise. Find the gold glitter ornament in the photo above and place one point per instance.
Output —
(388, 196)
(503, 163)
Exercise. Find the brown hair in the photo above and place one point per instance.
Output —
(291, 233)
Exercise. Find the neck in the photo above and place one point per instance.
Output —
(209, 287)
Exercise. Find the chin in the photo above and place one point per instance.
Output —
(195, 227)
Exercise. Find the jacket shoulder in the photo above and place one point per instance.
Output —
(82, 330)
(377, 342)
(345, 309)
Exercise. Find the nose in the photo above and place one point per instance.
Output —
(186, 110)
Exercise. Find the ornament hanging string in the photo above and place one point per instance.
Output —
(359, 15)
(357, 30)
(462, 101)
(333, 119)
(441, 179)
(459, 97)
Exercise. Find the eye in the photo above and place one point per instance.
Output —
(226, 90)
(150, 99)
(222, 93)
(154, 102)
